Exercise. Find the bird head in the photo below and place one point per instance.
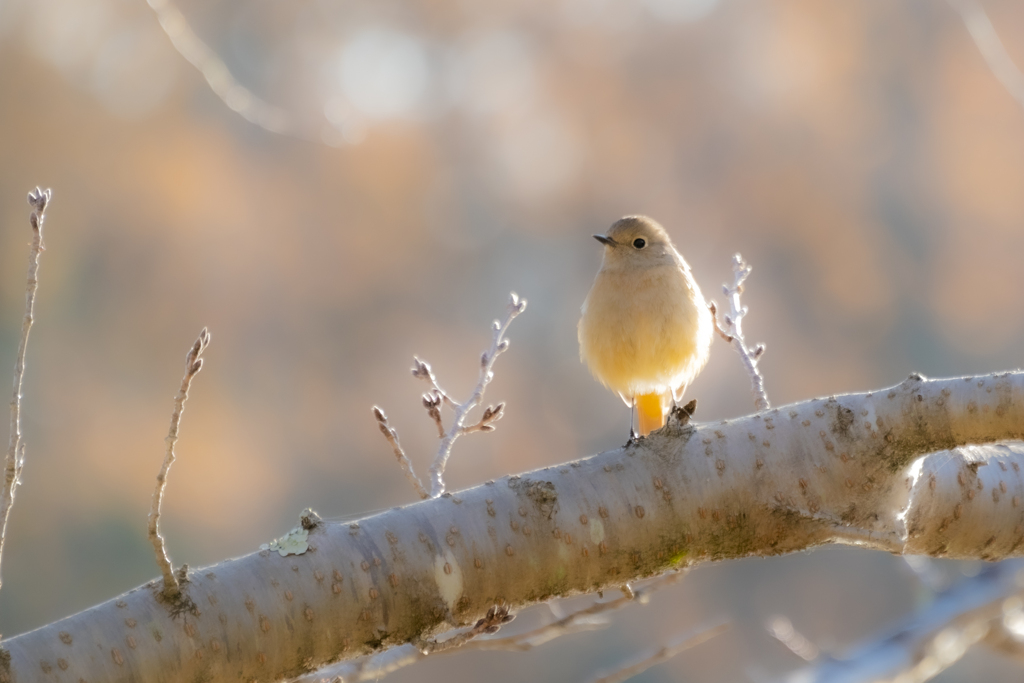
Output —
(636, 240)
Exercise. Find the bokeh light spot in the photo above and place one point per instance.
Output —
(384, 72)
(537, 156)
(493, 72)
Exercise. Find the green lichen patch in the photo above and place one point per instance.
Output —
(295, 542)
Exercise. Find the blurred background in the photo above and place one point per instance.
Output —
(351, 182)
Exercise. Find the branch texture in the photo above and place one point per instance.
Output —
(887, 470)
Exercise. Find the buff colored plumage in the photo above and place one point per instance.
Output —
(646, 331)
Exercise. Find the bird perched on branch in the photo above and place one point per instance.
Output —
(646, 331)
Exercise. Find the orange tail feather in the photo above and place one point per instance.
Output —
(650, 410)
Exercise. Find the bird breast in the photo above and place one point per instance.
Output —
(645, 330)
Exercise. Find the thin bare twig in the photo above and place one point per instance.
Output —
(421, 370)
(588, 617)
(436, 397)
(432, 402)
(433, 399)
(498, 346)
(992, 49)
(732, 331)
(38, 199)
(663, 653)
(193, 364)
(491, 414)
(496, 617)
(403, 460)
(237, 97)
(374, 667)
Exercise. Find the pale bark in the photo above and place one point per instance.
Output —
(868, 469)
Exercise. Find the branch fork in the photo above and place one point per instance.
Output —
(436, 398)
(731, 331)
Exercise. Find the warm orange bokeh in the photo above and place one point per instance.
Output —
(861, 156)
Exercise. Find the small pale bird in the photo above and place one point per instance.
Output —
(646, 331)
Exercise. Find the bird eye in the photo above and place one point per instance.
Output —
(639, 243)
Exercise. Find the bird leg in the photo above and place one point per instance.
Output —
(632, 417)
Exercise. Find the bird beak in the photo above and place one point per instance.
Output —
(606, 241)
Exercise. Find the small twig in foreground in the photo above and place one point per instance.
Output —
(588, 617)
(663, 653)
(193, 364)
(436, 397)
(403, 460)
(496, 617)
(732, 331)
(376, 666)
(38, 199)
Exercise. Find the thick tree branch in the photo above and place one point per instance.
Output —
(888, 469)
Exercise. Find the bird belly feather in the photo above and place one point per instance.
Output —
(660, 339)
